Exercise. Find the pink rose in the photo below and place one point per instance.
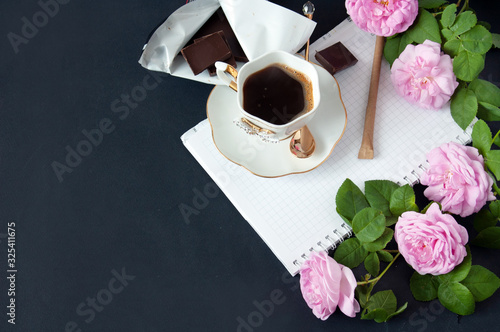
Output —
(456, 178)
(383, 18)
(326, 284)
(431, 243)
(424, 76)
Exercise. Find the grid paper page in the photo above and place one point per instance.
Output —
(296, 213)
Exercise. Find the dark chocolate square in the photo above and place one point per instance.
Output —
(230, 60)
(206, 52)
(335, 58)
(217, 22)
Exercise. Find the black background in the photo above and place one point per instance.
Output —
(118, 210)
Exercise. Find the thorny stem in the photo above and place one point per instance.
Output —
(374, 280)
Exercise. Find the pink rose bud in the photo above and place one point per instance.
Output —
(457, 180)
(432, 243)
(424, 76)
(326, 284)
(383, 18)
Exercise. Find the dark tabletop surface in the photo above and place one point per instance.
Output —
(112, 230)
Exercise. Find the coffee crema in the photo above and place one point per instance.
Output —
(277, 94)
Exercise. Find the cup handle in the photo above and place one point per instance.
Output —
(222, 69)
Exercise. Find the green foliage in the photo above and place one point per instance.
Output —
(457, 298)
(372, 264)
(488, 238)
(481, 282)
(382, 306)
(368, 214)
(350, 253)
(350, 200)
(466, 40)
(402, 200)
(430, 3)
(425, 27)
(492, 161)
(368, 225)
(423, 287)
(457, 290)
(463, 106)
(481, 137)
(378, 193)
(381, 242)
(495, 38)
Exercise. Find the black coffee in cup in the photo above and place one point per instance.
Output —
(277, 94)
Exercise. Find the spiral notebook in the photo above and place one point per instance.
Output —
(296, 214)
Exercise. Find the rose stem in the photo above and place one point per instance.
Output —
(374, 280)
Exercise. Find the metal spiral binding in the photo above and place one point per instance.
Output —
(333, 243)
(415, 174)
(347, 228)
(461, 140)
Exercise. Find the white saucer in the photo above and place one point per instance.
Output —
(275, 159)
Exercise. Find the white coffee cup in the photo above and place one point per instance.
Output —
(271, 132)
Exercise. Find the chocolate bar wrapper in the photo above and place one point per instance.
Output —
(250, 21)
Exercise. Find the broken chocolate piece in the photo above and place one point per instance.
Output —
(217, 22)
(230, 60)
(335, 58)
(205, 53)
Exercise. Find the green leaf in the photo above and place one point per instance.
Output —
(448, 34)
(372, 264)
(350, 199)
(488, 112)
(488, 238)
(481, 282)
(424, 27)
(378, 193)
(347, 221)
(495, 38)
(459, 272)
(389, 221)
(495, 208)
(391, 49)
(477, 40)
(381, 242)
(395, 46)
(350, 253)
(448, 16)
(464, 22)
(492, 161)
(397, 312)
(363, 293)
(429, 4)
(402, 200)
(486, 91)
(422, 287)
(484, 219)
(385, 256)
(456, 298)
(379, 315)
(368, 224)
(383, 299)
(481, 137)
(463, 106)
(467, 65)
(452, 47)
